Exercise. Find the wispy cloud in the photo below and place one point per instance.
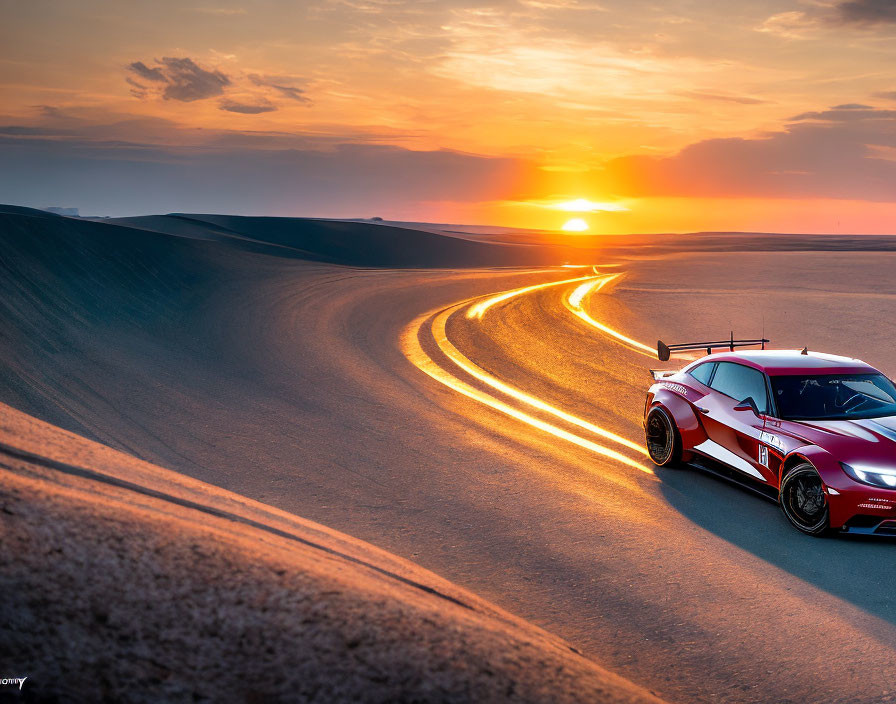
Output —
(246, 108)
(485, 50)
(181, 78)
(284, 85)
(793, 24)
(154, 74)
(723, 97)
(220, 11)
(565, 5)
(185, 80)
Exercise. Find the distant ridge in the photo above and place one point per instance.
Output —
(22, 210)
(350, 243)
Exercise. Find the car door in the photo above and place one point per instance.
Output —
(733, 433)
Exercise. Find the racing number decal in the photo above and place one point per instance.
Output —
(772, 440)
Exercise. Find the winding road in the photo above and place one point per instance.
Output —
(656, 572)
(485, 424)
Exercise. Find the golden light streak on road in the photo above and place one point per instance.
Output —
(574, 303)
(477, 310)
(575, 298)
(440, 334)
(412, 349)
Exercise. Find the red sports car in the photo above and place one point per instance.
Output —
(816, 432)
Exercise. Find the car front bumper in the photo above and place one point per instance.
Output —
(857, 508)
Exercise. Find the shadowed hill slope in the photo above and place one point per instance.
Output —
(152, 296)
(351, 243)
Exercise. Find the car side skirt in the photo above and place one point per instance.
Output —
(709, 465)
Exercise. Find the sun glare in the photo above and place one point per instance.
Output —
(583, 205)
(575, 225)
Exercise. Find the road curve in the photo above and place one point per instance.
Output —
(324, 391)
(644, 561)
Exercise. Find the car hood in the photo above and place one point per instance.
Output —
(866, 439)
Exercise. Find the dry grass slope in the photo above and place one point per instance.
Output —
(123, 581)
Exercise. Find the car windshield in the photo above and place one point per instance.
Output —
(834, 396)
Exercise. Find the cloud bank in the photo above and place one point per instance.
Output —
(867, 12)
(822, 18)
(843, 152)
(846, 152)
(108, 170)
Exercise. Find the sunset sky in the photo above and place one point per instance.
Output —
(650, 117)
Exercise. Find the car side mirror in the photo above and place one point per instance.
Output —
(748, 404)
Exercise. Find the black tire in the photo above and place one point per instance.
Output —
(803, 500)
(662, 437)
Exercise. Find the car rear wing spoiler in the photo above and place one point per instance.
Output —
(664, 351)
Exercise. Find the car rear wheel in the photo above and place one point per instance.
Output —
(803, 500)
(663, 440)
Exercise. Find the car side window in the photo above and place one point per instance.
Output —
(739, 382)
(702, 372)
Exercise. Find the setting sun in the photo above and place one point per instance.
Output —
(575, 225)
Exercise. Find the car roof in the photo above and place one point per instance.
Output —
(785, 362)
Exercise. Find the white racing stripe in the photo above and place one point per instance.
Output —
(726, 456)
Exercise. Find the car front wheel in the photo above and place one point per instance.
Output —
(663, 441)
(803, 500)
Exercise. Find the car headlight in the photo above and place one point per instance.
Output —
(883, 477)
